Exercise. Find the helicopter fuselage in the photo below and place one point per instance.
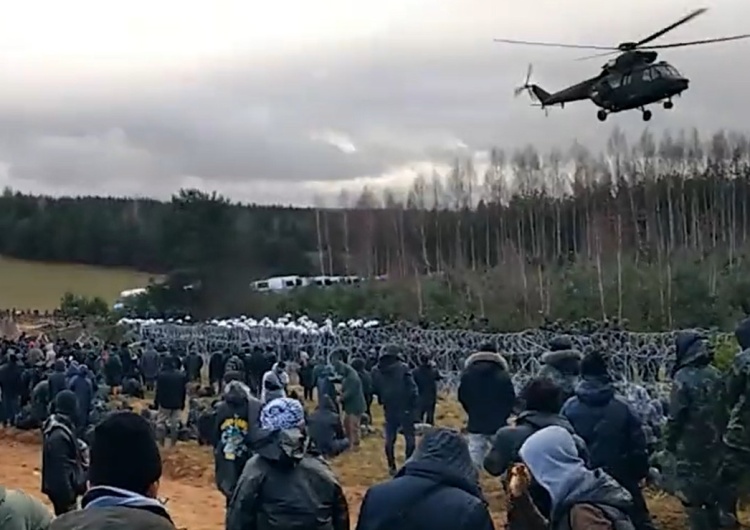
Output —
(641, 85)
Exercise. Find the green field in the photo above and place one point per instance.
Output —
(34, 285)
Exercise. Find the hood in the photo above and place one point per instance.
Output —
(595, 392)
(60, 366)
(690, 350)
(358, 363)
(552, 458)
(742, 332)
(390, 364)
(344, 370)
(487, 357)
(236, 393)
(284, 448)
(566, 361)
(58, 421)
(108, 496)
(443, 456)
(540, 420)
(327, 404)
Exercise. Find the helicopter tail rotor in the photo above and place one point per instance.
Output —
(526, 84)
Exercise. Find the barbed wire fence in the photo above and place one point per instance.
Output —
(639, 358)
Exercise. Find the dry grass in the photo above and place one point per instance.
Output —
(194, 502)
(35, 285)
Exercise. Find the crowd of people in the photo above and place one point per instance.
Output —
(572, 448)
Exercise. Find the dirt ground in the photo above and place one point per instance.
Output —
(195, 503)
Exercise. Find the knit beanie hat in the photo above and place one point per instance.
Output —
(594, 365)
(124, 453)
(282, 413)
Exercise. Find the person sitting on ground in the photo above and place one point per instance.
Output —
(298, 490)
(20, 511)
(325, 430)
(581, 499)
(124, 480)
(541, 398)
(437, 489)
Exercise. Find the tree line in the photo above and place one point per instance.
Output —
(654, 230)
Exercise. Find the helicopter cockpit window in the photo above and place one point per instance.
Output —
(615, 81)
(647, 75)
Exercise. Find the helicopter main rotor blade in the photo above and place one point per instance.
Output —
(554, 44)
(683, 20)
(694, 42)
(598, 55)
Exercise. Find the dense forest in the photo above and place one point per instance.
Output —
(654, 230)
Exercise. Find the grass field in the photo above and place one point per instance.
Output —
(34, 285)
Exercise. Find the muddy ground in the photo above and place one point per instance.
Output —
(195, 503)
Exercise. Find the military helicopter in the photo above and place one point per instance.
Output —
(632, 80)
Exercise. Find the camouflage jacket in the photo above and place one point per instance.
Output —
(692, 428)
(737, 403)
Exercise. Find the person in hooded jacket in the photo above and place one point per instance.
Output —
(149, 364)
(216, 370)
(171, 392)
(325, 382)
(275, 382)
(113, 372)
(694, 427)
(80, 385)
(613, 433)
(397, 392)
(352, 397)
(562, 364)
(735, 462)
(11, 388)
(487, 396)
(437, 489)
(541, 398)
(40, 403)
(21, 511)
(282, 487)
(237, 420)
(426, 376)
(193, 367)
(581, 499)
(57, 381)
(325, 431)
(123, 480)
(235, 365)
(63, 465)
(358, 364)
(305, 374)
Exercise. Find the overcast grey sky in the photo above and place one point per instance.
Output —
(277, 101)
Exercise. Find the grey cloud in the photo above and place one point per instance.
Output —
(255, 130)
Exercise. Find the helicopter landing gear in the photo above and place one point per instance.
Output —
(646, 115)
(602, 115)
(668, 104)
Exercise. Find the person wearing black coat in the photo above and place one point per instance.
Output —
(397, 392)
(306, 378)
(193, 367)
(541, 398)
(325, 430)
(63, 471)
(216, 370)
(57, 382)
(613, 433)
(437, 489)
(426, 376)
(11, 386)
(365, 376)
(171, 392)
(113, 372)
(487, 395)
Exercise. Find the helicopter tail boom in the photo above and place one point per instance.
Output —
(540, 94)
